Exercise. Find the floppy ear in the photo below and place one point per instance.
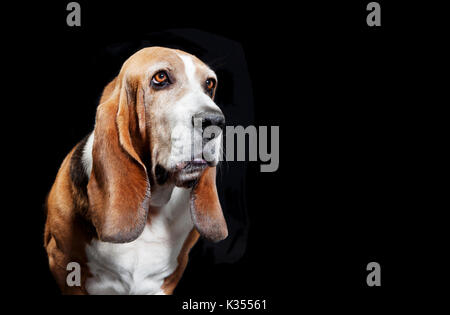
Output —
(206, 211)
(118, 188)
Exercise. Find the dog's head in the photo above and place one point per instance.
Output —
(156, 125)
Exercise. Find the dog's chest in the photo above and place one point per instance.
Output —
(140, 267)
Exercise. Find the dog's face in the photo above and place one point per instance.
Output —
(178, 91)
(156, 124)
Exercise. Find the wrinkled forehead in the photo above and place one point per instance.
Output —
(148, 61)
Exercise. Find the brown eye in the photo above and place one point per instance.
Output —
(160, 78)
(210, 83)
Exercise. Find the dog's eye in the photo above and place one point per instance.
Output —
(160, 79)
(210, 83)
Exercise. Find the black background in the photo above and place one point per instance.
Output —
(354, 105)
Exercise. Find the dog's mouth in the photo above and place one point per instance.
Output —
(192, 166)
(187, 173)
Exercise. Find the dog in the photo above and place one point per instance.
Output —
(129, 201)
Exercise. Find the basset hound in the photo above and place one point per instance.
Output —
(128, 202)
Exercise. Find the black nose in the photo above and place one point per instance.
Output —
(208, 119)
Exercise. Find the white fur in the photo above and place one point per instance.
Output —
(189, 67)
(139, 267)
(87, 155)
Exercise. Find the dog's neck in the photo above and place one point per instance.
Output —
(160, 195)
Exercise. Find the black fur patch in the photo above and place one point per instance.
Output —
(77, 171)
(161, 174)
